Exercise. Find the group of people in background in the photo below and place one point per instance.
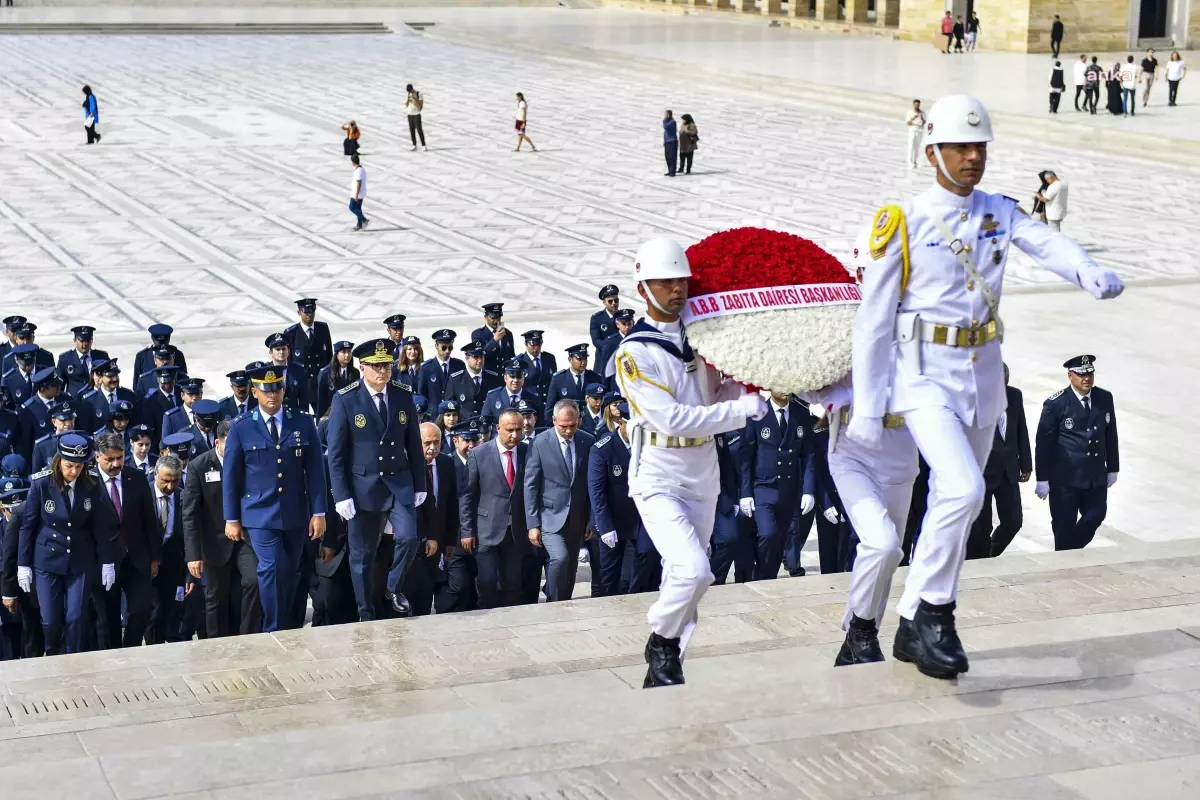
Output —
(680, 141)
(962, 34)
(1121, 82)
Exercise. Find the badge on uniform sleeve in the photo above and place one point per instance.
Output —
(627, 366)
(49, 506)
(70, 369)
(1070, 423)
(360, 420)
(87, 504)
(1107, 417)
(766, 433)
(462, 398)
(617, 470)
(433, 378)
(403, 418)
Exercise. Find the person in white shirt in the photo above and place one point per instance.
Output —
(1129, 82)
(522, 118)
(1176, 69)
(1080, 80)
(915, 122)
(1055, 198)
(358, 193)
(414, 104)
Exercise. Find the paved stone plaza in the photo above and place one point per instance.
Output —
(218, 196)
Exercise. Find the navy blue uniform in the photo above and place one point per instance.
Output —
(499, 399)
(18, 387)
(94, 408)
(1076, 450)
(230, 407)
(313, 353)
(329, 382)
(377, 463)
(42, 359)
(9, 423)
(65, 541)
(538, 374)
(33, 422)
(565, 386)
(43, 452)
(296, 387)
(613, 510)
(74, 372)
(433, 378)
(462, 388)
(602, 326)
(495, 354)
(777, 469)
(273, 489)
(144, 361)
(154, 406)
(733, 535)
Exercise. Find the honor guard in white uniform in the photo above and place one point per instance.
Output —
(927, 346)
(679, 403)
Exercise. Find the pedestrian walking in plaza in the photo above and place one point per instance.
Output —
(670, 142)
(915, 122)
(1057, 86)
(1176, 69)
(350, 143)
(522, 122)
(972, 32)
(1129, 81)
(1093, 76)
(689, 140)
(1056, 35)
(1149, 72)
(414, 104)
(91, 115)
(959, 32)
(1039, 206)
(1080, 78)
(948, 31)
(358, 193)
(1115, 105)
(1054, 195)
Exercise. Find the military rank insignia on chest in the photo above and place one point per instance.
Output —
(766, 433)
(360, 420)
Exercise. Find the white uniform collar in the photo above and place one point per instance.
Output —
(674, 330)
(939, 196)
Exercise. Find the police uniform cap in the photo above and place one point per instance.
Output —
(307, 304)
(421, 402)
(268, 378)
(610, 398)
(178, 443)
(206, 408)
(13, 490)
(623, 409)
(444, 335)
(467, 429)
(106, 367)
(594, 390)
(192, 385)
(344, 344)
(253, 365)
(238, 378)
(163, 352)
(526, 407)
(74, 447)
(577, 351)
(624, 315)
(47, 375)
(12, 464)
(448, 407)
(376, 351)
(25, 329)
(514, 368)
(275, 340)
(395, 321)
(473, 348)
(138, 430)
(166, 372)
(1081, 365)
(493, 309)
(534, 336)
(413, 340)
(25, 352)
(608, 291)
(63, 410)
(14, 322)
(160, 331)
(83, 333)
(121, 408)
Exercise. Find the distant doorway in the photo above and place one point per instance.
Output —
(1152, 21)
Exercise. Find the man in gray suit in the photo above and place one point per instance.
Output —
(557, 505)
(492, 512)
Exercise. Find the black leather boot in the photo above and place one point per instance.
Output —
(861, 645)
(931, 642)
(662, 656)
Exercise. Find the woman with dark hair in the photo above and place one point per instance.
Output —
(409, 358)
(350, 144)
(69, 529)
(689, 140)
(339, 374)
(1116, 105)
(414, 104)
(91, 115)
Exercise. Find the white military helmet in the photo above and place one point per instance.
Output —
(957, 119)
(661, 259)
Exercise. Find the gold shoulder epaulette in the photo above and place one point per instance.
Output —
(889, 220)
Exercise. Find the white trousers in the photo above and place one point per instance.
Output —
(956, 454)
(680, 529)
(876, 488)
(915, 136)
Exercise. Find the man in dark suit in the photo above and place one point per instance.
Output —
(240, 401)
(624, 321)
(155, 403)
(437, 521)
(471, 384)
(492, 512)
(603, 322)
(160, 337)
(377, 472)
(172, 573)
(140, 544)
(539, 366)
(512, 392)
(19, 603)
(33, 420)
(96, 405)
(295, 377)
(1009, 464)
(557, 506)
(25, 334)
(457, 593)
(75, 366)
(435, 373)
(17, 384)
(310, 342)
(1076, 457)
(497, 340)
(209, 551)
(571, 383)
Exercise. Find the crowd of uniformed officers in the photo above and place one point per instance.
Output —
(371, 482)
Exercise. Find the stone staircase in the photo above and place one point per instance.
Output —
(1082, 685)
(191, 28)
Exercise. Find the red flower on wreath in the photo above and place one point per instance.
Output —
(751, 258)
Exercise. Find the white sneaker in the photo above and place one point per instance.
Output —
(584, 556)
(414, 148)
(426, 149)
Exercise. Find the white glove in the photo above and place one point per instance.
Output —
(807, 502)
(609, 539)
(419, 498)
(867, 431)
(1042, 489)
(1103, 285)
(1112, 478)
(345, 509)
(25, 579)
(746, 504)
(754, 405)
(831, 515)
(108, 575)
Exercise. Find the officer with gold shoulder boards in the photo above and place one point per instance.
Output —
(377, 472)
(927, 345)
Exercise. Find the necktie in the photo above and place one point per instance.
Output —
(782, 422)
(209, 438)
(431, 496)
(274, 430)
(381, 408)
(87, 365)
(510, 472)
(476, 383)
(570, 461)
(446, 371)
(241, 409)
(115, 494)
(67, 499)
(512, 401)
(1087, 403)
(162, 512)
(579, 383)
(111, 399)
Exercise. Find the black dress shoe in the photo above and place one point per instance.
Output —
(399, 603)
(662, 656)
(931, 642)
(861, 645)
